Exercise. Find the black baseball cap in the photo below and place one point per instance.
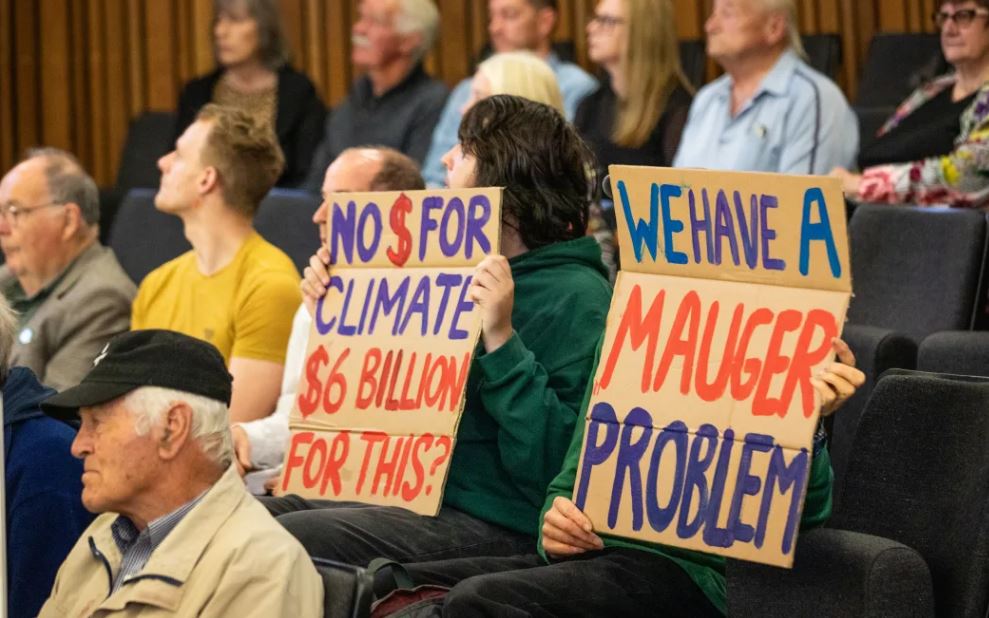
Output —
(146, 358)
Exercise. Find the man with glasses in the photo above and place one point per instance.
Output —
(770, 112)
(513, 25)
(69, 292)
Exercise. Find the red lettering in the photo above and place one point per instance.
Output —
(396, 218)
(401, 470)
(370, 438)
(294, 459)
(680, 343)
(711, 391)
(804, 358)
(409, 492)
(634, 325)
(338, 456)
(314, 388)
(740, 390)
(457, 387)
(775, 363)
(317, 455)
(372, 360)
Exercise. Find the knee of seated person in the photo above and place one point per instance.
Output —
(466, 597)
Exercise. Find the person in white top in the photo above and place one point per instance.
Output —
(260, 444)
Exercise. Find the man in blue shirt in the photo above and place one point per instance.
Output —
(513, 25)
(770, 112)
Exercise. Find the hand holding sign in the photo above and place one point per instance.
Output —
(493, 289)
(567, 530)
(315, 279)
(838, 382)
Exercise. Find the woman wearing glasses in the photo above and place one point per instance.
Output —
(935, 148)
(637, 115)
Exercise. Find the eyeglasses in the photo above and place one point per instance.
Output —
(606, 21)
(962, 17)
(13, 212)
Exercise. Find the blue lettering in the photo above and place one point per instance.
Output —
(642, 232)
(629, 454)
(788, 478)
(479, 215)
(768, 233)
(746, 484)
(602, 414)
(700, 226)
(671, 226)
(427, 224)
(817, 231)
(713, 535)
(748, 229)
(697, 466)
(660, 516)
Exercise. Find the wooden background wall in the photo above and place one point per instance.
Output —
(73, 72)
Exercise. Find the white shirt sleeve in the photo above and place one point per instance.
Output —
(269, 435)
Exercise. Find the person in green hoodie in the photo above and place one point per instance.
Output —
(543, 302)
(578, 572)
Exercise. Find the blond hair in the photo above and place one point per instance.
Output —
(245, 154)
(522, 74)
(789, 10)
(651, 66)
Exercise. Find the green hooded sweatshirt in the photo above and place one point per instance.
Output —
(707, 570)
(524, 398)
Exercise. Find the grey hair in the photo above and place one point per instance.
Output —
(210, 419)
(68, 182)
(789, 10)
(418, 16)
(8, 332)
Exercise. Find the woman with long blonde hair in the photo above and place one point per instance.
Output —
(638, 113)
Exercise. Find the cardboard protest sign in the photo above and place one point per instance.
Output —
(700, 426)
(391, 346)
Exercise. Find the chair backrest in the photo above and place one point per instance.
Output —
(285, 220)
(824, 52)
(916, 270)
(150, 136)
(693, 59)
(918, 475)
(876, 350)
(895, 65)
(143, 237)
(959, 352)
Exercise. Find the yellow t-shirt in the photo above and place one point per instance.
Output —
(245, 309)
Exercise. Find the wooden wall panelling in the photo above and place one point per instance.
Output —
(28, 103)
(7, 90)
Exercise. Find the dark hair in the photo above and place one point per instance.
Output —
(398, 172)
(544, 4)
(537, 156)
(272, 46)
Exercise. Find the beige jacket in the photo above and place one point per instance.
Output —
(88, 306)
(227, 557)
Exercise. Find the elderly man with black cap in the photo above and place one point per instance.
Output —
(178, 535)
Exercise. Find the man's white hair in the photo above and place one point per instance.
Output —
(789, 10)
(418, 16)
(210, 419)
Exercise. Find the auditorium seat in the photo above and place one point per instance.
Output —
(895, 65)
(911, 534)
(958, 352)
(143, 237)
(693, 59)
(824, 52)
(285, 220)
(917, 270)
(876, 350)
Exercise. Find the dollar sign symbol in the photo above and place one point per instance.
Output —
(314, 388)
(399, 255)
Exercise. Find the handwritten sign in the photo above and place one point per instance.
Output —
(700, 427)
(391, 346)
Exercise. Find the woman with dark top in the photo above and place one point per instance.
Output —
(253, 75)
(637, 115)
(935, 148)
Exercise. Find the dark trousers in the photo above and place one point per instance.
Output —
(357, 533)
(612, 582)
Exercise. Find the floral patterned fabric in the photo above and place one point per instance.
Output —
(960, 178)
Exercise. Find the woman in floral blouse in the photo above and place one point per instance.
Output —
(935, 148)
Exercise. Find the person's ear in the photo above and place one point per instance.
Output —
(73, 220)
(176, 430)
(546, 22)
(775, 28)
(410, 43)
(209, 179)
